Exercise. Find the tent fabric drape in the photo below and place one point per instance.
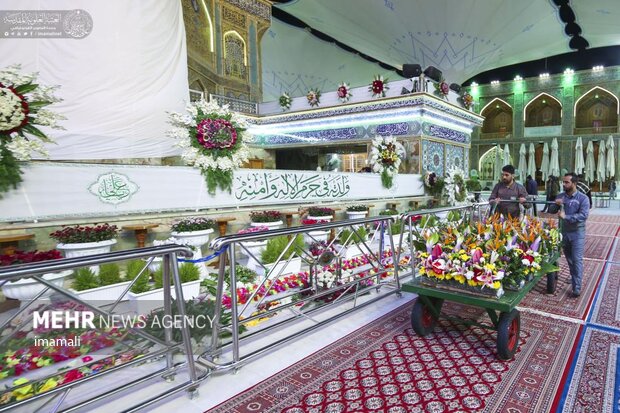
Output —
(522, 163)
(118, 82)
(554, 162)
(600, 169)
(579, 161)
(611, 158)
(545, 162)
(589, 171)
(531, 165)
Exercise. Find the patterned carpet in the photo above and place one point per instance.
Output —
(385, 366)
(598, 247)
(561, 303)
(593, 386)
(610, 219)
(602, 228)
(606, 310)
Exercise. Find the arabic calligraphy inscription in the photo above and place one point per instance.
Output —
(290, 186)
(113, 188)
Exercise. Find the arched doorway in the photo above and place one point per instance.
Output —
(596, 112)
(497, 119)
(543, 110)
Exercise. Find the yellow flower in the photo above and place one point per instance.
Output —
(496, 285)
(464, 257)
(4, 374)
(49, 385)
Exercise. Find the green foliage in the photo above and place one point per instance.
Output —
(187, 272)
(396, 228)
(357, 208)
(109, 274)
(217, 177)
(134, 267)
(473, 185)
(142, 283)
(387, 180)
(10, 172)
(243, 274)
(85, 279)
(360, 234)
(389, 212)
(276, 245)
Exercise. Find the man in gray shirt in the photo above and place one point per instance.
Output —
(573, 216)
(508, 190)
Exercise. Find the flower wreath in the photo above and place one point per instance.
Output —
(212, 139)
(467, 100)
(385, 158)
(285, 101)
(22, 106)
(314, 97)
(442, 89)
(378, 86)
(455, 188)
(344, 92)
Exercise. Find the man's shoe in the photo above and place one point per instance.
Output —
(575, 295)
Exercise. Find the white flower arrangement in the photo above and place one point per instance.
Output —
(212, 138)
(385, 158)
(22, 112)
(285, 101)
(325, 279)
(455, 189)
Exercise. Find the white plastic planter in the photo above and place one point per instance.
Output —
(270, 225)
(281, 268)
(107, 293)
(196, 239)
(145, 302)
(255, 248)
(83, 249)
(28, 288)
(327, 218)
(316, 236)
(356, 214)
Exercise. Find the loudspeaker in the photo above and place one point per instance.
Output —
(456, 87)
(433, 73)
(411, 70)
(404, 91)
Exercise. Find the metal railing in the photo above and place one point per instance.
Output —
(309, 299)
(167, 347)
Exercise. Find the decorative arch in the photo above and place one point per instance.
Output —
(498, 119)
(211, 36)
(486, 164)
(543, 110)
(230, 47)
(596, 111)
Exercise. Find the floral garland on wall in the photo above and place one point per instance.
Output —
(455, 188)
(467, 100)
(213, 140)
(23, 104)
(285, 102)
(385, 158)
(442, 89)
(378, 86)
(344, 92)
(314, 97)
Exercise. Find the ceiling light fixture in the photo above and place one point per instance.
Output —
(495, 82)
(569, 71)
(518, 78)
(543, 75)
(598, 68)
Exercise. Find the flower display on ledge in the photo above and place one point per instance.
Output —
(192, 224)
(344, 92)
(442, 89)
(455, 188)
(212, 139)
(313, 221)
(467, 100)
(21, 257)
(385, 158)
(80, 234)
(265, 216)
(252, 230)
(314, 97)
(379, 86)
(494, 254)
(285, 101)
(23, 110)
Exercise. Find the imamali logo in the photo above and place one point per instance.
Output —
(113, 188)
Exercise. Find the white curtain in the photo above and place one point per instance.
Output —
(545, 162)
(117, 83)
(579, 161)
(522, 163)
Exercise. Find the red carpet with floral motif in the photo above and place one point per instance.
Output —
(598, 247)
(385, 366)
(605, 309)
(608, 219)
(561, 303)
(602, 228)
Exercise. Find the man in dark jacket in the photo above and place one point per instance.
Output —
(508, 190)
(532, 190)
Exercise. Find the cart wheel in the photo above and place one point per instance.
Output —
(508, 330)
(552, 282)
(422, 319)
